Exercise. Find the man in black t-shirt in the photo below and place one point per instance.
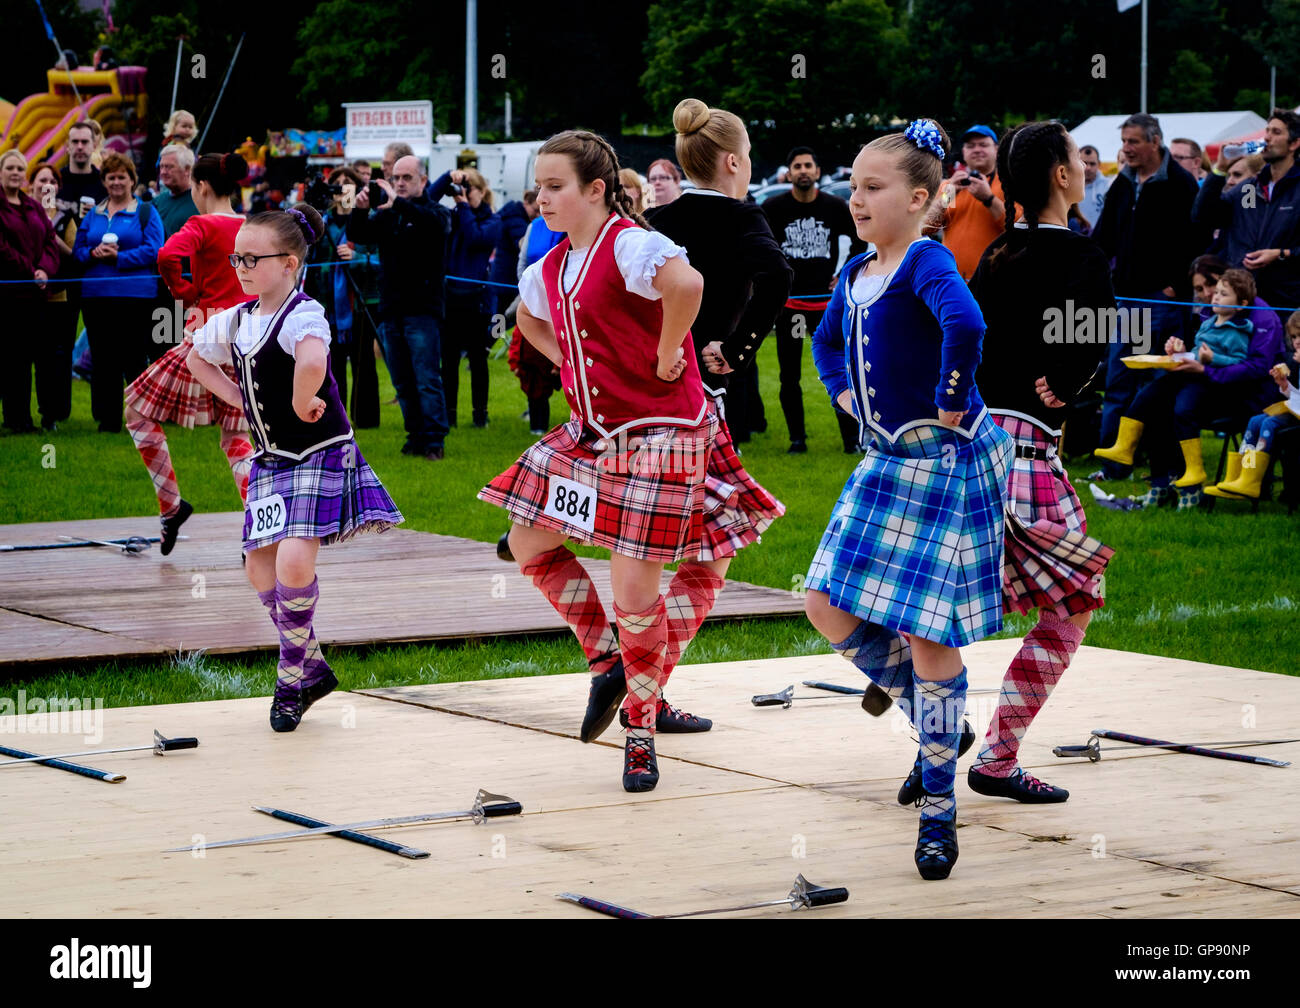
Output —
(812, 229)
(80, 179)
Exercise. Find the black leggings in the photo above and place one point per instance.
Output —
(465, 331)
(119, 330)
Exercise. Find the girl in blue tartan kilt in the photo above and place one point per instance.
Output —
(910, 566)
(309, 485)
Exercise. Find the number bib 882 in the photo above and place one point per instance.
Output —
(268, 515)
(572, 503)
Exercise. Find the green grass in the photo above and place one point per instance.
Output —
(1212, 587)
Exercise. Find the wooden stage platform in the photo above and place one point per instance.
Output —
(739, 811)
(402, 586)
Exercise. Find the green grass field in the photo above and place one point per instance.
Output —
(1213, 587)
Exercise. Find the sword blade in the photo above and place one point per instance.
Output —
(372, 824)
(71, 755)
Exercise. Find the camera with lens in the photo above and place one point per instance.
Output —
(456, 190)
(320, 194)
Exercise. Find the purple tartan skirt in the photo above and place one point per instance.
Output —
(332, 495)
(1050, 561)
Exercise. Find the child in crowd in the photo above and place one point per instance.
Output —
(1247, 468)
(1223, 340)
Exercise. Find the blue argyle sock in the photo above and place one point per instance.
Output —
(884, 657)
(940, 708)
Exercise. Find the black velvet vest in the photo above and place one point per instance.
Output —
(266, 380)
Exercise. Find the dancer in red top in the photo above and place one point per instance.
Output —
(167, 391)
(611, 306)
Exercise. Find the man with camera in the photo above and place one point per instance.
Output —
(973, 211)
(410, 231)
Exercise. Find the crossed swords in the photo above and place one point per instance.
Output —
(486, 806)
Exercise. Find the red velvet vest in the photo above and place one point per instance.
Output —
(610, 342)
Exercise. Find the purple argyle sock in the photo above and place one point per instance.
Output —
(293, 619)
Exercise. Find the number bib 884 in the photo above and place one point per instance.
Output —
(269, 516)
(572, 503)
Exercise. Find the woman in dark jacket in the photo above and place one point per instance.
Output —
(29, 253)
(475, 230)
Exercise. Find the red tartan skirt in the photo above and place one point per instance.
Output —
(167, 392)
(737, 510)
(1050, 562)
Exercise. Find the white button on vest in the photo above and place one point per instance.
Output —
(871, 391)
(600, 418)
(589, 362)
(876, 417)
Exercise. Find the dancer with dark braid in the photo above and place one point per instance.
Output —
(167, 392)
(1036, 269)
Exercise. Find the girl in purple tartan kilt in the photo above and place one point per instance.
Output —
(1039, 270)
(910, 566)
(612, 306)
(309, 485)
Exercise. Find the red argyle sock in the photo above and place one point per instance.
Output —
(151, 443)
(239, 453)
(564, 581)
(689, 599)
(1029, 681)
(643, 638)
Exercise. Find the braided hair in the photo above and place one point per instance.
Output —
(593, 158)
(1027, 157)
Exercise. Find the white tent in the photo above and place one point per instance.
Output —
(1205, 128)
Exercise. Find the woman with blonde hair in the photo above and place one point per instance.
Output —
(746, 281)
(633, 187)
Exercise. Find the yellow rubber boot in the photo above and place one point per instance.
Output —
(1194, 469)
(1254, 464)
(1126, 442)
(1233, 474)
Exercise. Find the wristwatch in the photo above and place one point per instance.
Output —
(988, 202)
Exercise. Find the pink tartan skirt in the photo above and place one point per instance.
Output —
(1050, 562)
(682, 496)
(167, 392)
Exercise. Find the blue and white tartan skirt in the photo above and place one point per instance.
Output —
(915, 541)
(331, 495)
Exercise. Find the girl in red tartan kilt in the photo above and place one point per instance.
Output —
(166, 392)
(612, 305)
(1038, 271)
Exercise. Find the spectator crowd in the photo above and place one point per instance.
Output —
(420, 273)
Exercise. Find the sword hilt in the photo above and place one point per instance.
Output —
(781, 699)
(1092, 750)
(492, 806)
(163, 745)
(805, 894)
